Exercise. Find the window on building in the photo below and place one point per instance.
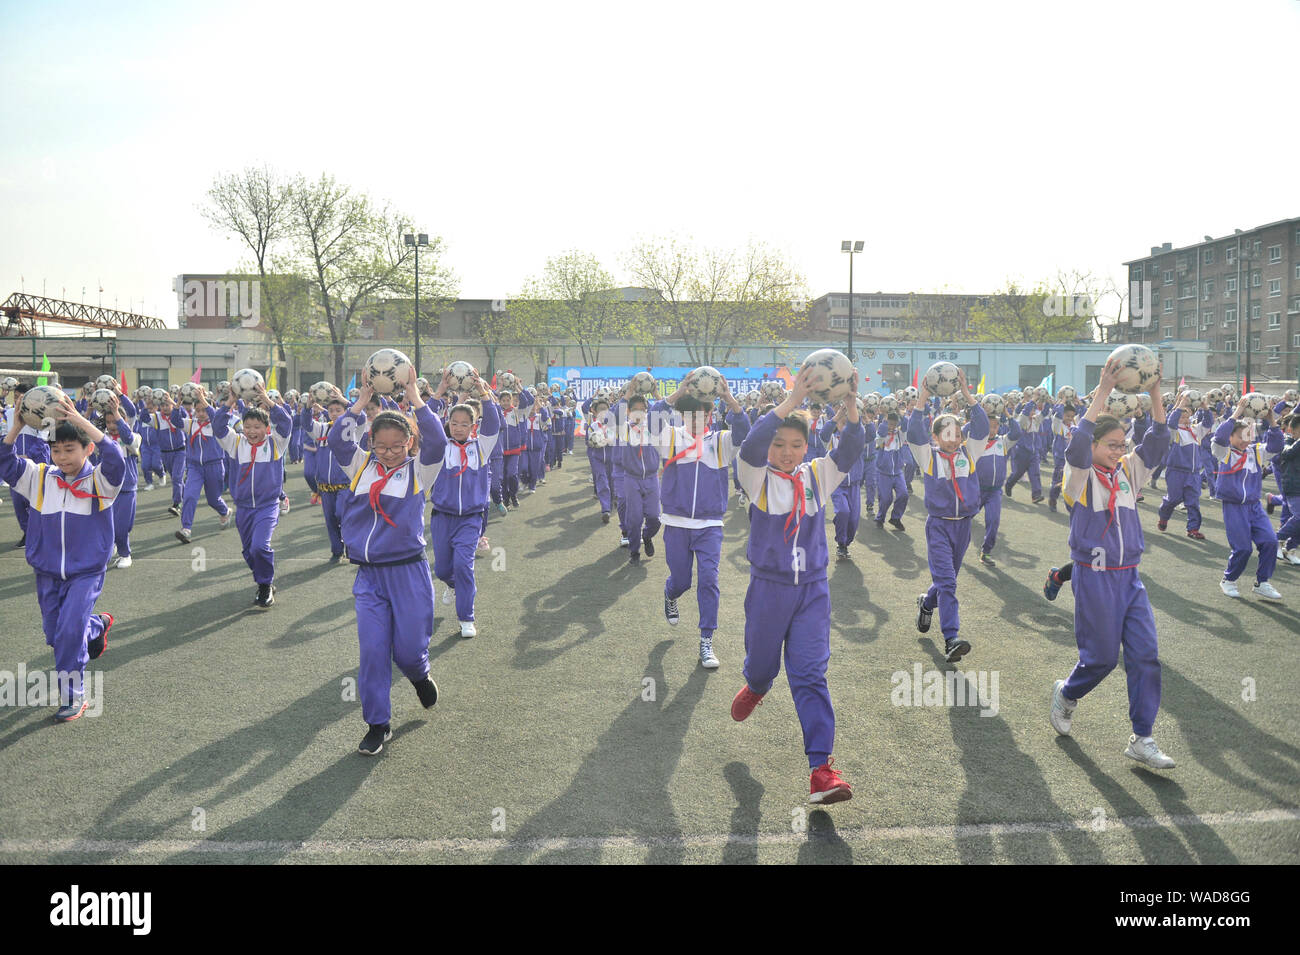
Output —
(1169, 277)
(1274, 354)
(1207, 318)
(1207, 257)
(1188, 320)
(1230, 254)
(1229, 344)
(1255, 278)
(1274, 288)
(1207, 287)
(1254, 313)
(1169, 306)
(1274, 254)
(1254, 343)
(1297, 273)
(1230, 285)
(1274, 320)
(1295, 306)
(1186, 290)
(1255, 246)
(1137, 273)
(211, 376)
(1229, 316)
(1181, 263)
(840, 323)
(1295, 341)
(153, 377)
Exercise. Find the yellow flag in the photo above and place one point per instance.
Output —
(980, 389)
(270, 379)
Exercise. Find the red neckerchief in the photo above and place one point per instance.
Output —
(697, 444)
(800, 503)
(198, 432)
(1241, 463)
(952, 471)
(76, 491)
(1110, 481)
(464, 458)
(991, 441)
(378, 486)
(252, 458)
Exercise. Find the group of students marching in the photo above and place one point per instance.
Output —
(372, 462)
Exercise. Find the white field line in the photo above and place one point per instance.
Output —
(312, 847)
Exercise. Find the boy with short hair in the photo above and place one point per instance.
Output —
(69, 540)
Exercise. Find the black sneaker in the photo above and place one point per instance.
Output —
(265, 596)
(427, 691)
(1040, 499)
(634, 559)
(897, 523)
(922, 615)
(174, 510)
(955, 649)
(335, 558)
(842, 552)
(649, 545)
(1053, 585)
(880, 525)
(670, 610)
(373, 742)
(604, 518)
(22, 542)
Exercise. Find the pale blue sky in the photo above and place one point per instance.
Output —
(964, 142)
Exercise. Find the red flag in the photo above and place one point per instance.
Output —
(494, 382)
(1182, 382)
(123, 381)
(194, 378)
(916, 378)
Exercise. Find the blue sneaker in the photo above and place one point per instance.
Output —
(1053, 585)
(501, 507)
(66, 714)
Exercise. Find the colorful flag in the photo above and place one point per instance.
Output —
(916, 378)
(980, 389)
(270, 378)
(351, 384)
(1182, 382)
(1047, 382)
(123, 381)
(45, 366)
(194, 378)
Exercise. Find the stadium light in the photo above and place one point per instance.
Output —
(852, 247)
(414, 241)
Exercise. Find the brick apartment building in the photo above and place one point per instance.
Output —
(1202, 292)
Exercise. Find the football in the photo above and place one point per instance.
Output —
(1167, 399)
(354, 394)
(1214, 395)
(751, 399)
(705, 383)
(832, 374)
(1041, 394)
(160, 393)
(1067, 395)
(388, 370)
(871, 402)
(993, 404)
(1139, 368)
(941, 379)
(1256, 405)
(461, 376)
(423, 388)
(889, 404)
(644, 382)
(320, 392)
(773, 390)
(1291, 396)
(1193, 398)
(174, 390)
(1121, 404)
(1144, 401)
(190, 391)
(507, 381)
(105, 381)
(37, 407)
(292, 395)
(223, 390)
(102, 400)
(7, 384)
(274, 396)
(244, 383)
(87, 390)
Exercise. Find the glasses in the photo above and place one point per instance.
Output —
(1115, 447)
(389, 448)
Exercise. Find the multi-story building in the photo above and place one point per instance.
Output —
(892, 316)
(1220, 291)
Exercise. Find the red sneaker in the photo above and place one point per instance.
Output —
(744, 703)
(97, 647)
(827, 786)
(1196, 535)
(315, 499)
(1163, 525)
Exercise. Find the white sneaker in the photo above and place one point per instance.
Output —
(284, 505)
(741, 497)
(123, 562)
(146, 487)
(225, 519)
(1146, 751)
(1266, 590)
(1062, 710)
(1229, 587)
(622, 542)
(707, 659)
(483, 545)
(467, 629)
(1292, 556)
(448, 596)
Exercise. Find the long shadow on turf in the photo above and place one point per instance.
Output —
(621, 788)
(1158, 845)
(1215, 622)
(850, 598)
(1003, 784)
(579, 597)
(1203, 840)
(1220, 739)
(742, 849)
(1023, 604)
(219, 775)
(824, 845)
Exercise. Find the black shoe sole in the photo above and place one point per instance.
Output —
(435, 695)
(959, 650)
(377, 750)
(648, 546)
(923, 618)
